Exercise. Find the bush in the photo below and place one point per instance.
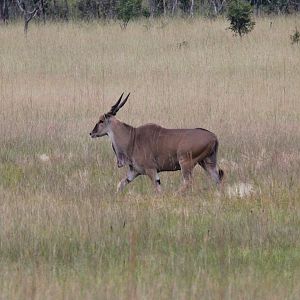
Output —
(239, 15)
(295, 37)
(129, 9)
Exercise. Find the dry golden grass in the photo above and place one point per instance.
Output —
(64, 234)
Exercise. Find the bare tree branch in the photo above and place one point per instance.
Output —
(174, 6)
(29, 15)
(192, 8)
(218, 5)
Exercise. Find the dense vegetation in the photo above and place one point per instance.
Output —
(127, 9)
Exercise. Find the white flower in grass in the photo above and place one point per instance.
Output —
(44, 157)
(241, 190)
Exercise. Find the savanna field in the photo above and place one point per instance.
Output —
(66, 234)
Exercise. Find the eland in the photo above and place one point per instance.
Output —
(150, 149)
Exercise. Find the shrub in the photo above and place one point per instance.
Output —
(129, 9)
(239, 15)
(295, 37)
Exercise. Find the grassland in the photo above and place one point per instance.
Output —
(65, 234)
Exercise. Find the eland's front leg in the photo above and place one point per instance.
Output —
(131, 174)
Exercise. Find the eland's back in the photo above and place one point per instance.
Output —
(166, 147)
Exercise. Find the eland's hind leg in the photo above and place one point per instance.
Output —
(209, 164)
(153, 175)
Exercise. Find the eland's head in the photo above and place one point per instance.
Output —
(103, 126)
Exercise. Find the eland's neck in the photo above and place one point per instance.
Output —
(122, 139)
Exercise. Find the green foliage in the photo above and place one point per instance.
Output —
(184, 5)
(129, 9)
(87, 9)
(239, 16)
(278, 6)
(109, 9)
(295, 37)
(145, 12)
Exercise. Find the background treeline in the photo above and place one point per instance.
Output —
(128, 9)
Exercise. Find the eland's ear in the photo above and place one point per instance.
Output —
(115, 108)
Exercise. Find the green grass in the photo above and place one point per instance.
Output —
(153, 246)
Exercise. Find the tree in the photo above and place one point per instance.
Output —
(89, 9)
(218, 6)
(27, 14)
(4, 11)
(239, 15)
(129, 9)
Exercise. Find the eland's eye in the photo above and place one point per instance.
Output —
(100, 121)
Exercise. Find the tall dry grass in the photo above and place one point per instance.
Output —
(63, 231)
